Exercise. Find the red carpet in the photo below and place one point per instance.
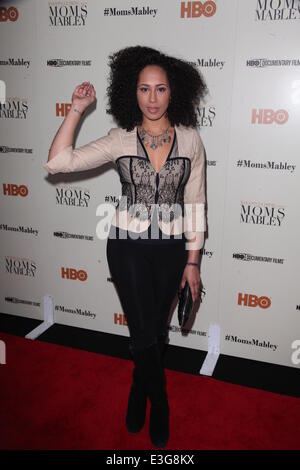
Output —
(54, 397)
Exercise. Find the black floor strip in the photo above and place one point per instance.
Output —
(256, 374)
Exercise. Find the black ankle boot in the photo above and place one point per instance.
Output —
(137, 403)
(149, 365)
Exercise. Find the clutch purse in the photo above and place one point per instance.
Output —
(185, 305)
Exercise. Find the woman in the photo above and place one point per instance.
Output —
(159, 156)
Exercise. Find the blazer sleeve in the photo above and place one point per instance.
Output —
(91, 155)
(195, 197)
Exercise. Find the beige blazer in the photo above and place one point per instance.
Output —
(188, 179)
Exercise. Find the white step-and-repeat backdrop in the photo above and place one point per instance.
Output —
(248, 52)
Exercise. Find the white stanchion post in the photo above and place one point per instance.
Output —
(212, 356)
(48, 318)
(2, 352)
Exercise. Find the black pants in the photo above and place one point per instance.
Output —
(146, 277)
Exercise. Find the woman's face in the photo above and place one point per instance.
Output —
(153, 92)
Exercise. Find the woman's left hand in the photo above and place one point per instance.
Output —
(192, 276)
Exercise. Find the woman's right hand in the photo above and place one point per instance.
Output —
(83, 96)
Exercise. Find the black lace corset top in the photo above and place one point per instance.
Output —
(152, 195)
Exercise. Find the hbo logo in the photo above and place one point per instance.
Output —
(268, 116)
(10, 14)
(251, 300)
(74, 274)
(15, 190)
(196, 9)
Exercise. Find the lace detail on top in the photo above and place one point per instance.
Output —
(147, 194)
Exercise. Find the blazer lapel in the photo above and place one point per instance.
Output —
(180, 140)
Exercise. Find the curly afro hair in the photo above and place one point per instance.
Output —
(187, 86)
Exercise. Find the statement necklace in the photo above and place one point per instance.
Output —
(155, 140)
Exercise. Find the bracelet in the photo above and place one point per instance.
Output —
(77, 110)
(193, 264)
